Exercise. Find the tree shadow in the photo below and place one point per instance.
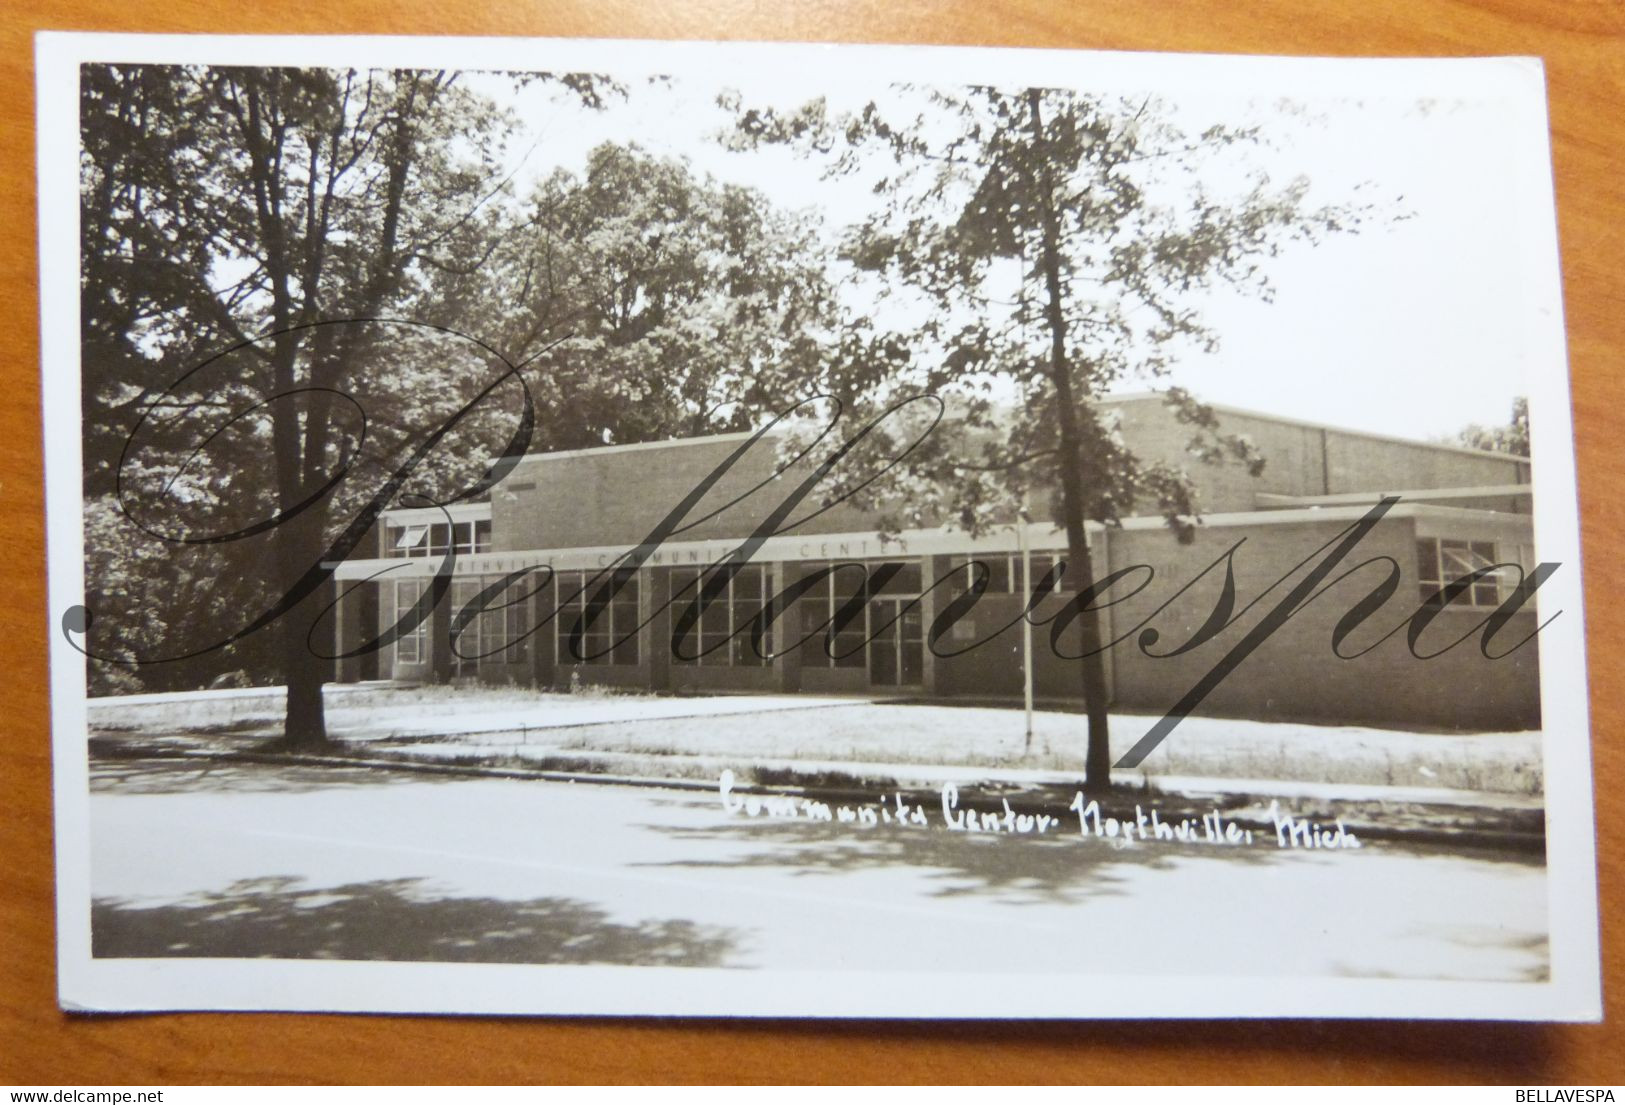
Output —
(1535, 946)
(191, 775)
(1058, 867)
(393, 919)
(1066, 870)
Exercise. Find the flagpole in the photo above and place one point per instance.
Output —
(1022, 518)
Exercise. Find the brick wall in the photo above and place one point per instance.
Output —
(1294, 674)
(616, 497)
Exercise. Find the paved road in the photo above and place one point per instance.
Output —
(351, 864)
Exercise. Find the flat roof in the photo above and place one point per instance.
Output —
(1491, 491)
(1143, 396)
(1106, 400)
(633, 446)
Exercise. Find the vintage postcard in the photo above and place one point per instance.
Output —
(661, 528)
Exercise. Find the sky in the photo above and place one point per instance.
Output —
(1412, 327)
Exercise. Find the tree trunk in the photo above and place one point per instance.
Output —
(303, 668)
(305, 727)
(1080, 572)
(297, 542)
(300, 448)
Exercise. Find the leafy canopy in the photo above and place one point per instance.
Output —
(1045, 242)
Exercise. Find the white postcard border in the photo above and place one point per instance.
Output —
(1573, 992)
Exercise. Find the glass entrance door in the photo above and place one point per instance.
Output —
(896, 643)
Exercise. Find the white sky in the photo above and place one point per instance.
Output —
(1411, 328)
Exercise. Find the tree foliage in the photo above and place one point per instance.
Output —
(1142, 227)
(673, 305)
(1512, 438)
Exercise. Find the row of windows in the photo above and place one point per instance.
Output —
(434, 538)
(827, 644)
(497, 632)
(722, 636)
(1004, 572)
(500, 632)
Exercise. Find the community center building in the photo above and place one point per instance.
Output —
(561, 524)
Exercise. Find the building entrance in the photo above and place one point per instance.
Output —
(862, 626)
(896, 644)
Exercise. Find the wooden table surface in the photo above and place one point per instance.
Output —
(1581, 41)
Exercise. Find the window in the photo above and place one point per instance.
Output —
(1442, 560)
(412, 646)
(498, 633)
(726, 618)
(823, 644)
(507, 627)
(468, 645)
(406, 540)
(471, 537)
(615, 624)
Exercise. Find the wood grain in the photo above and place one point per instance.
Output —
(1582, 46)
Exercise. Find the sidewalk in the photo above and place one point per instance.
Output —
(368, 711)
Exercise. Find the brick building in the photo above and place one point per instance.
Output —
(580, 513)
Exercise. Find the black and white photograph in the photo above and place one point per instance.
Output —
(629, 528)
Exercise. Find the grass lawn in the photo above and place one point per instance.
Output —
(990, 737)
(523, 724)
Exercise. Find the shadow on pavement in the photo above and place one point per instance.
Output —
(392, 919)
(1058, 867)
(1070, 871)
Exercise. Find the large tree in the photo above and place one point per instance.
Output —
(250, 237)
(671, 304)
(266, 214)
(1062, 243)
